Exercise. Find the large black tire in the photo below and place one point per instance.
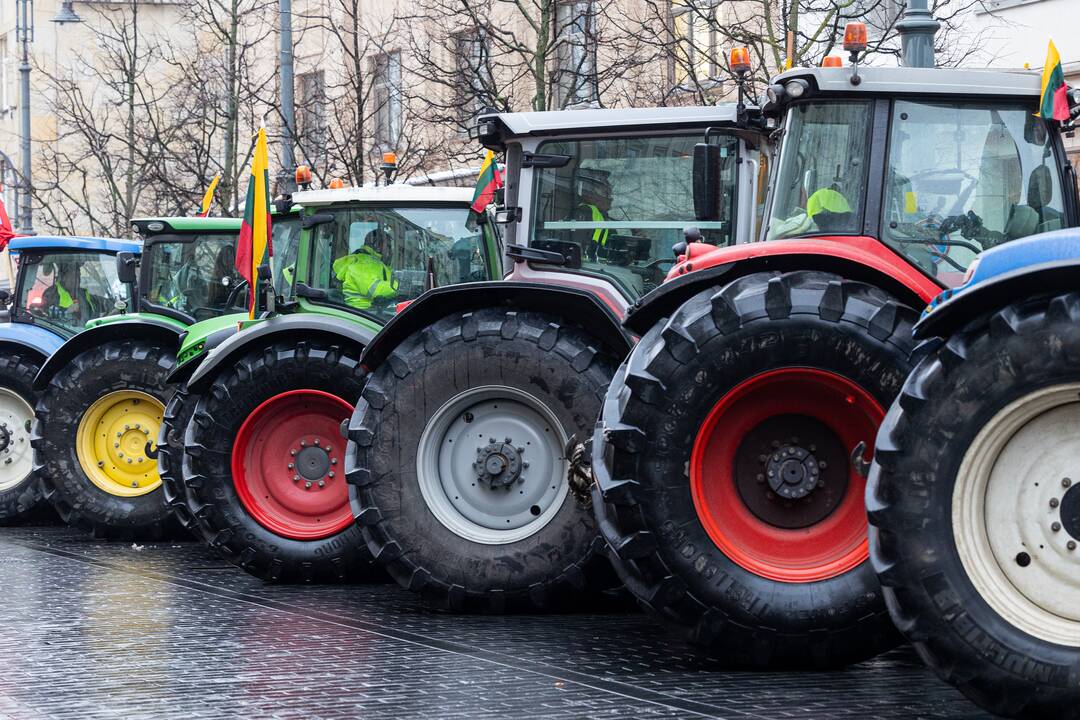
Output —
(210, 492)
(111, 367)
(654, 411)
(18, 500)
(558, 565)
(952, 397)
(170, 456)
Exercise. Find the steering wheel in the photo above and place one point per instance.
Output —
(234, 293)
(957, 208)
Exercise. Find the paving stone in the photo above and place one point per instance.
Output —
(106, 630)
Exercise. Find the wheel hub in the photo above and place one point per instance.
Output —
(499, 464)
(313, 463)
(792, 472)
(1070, 513)
(112, 441)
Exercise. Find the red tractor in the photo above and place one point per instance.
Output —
(733, 446)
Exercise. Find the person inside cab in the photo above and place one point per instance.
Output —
(365, 275)
(66, 298)
(594, 204)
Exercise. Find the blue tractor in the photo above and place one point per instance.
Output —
(62, 283)
(974, 491)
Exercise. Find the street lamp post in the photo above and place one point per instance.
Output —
(288, 107)
(24, 33)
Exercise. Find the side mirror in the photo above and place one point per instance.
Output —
(5, 298)
(507, 215)
(316, 219)
(126, 263)
(706, 181)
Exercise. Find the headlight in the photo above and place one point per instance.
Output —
(796, 88)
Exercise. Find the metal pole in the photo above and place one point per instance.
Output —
(917, 28)
(25, 32)
(288, 108)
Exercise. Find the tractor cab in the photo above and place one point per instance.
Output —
(929, 166)
(188, 269)
(368, 249)
(596, 199)
(65, 282)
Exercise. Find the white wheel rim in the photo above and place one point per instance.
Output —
(1008, 501)
(17, 458)
(450, 445)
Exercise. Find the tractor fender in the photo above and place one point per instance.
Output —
(27, 338)
(856, 258)
(580, 306)
(144, 328)
(290, 327)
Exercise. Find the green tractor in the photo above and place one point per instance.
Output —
(261, 477)
(101, 395)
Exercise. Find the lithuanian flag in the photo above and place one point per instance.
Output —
(254, 247)
(208, 196)
(489, 180)
(1053, 103)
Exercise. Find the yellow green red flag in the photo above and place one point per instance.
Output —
(487, 182)
(1053, 102)
(208, 196)
(254, 247)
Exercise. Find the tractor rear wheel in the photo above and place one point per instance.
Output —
(263, 466)
(458, 463)
(170, 455)
(20, 490)
(97, 422)
(725, 487)
(974, 500)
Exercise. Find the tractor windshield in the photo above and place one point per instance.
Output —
(964, 177)
(68, 289)
(371, 258)
(624, 202)
(822, 171)
(285, 232)
(193, 275)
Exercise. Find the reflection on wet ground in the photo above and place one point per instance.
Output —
(114, 630)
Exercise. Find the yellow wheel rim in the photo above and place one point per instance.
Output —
(111, 442)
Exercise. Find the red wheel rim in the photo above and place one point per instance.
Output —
(835, 409)
(288, 465)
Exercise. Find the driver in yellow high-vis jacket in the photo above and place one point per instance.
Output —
(365, 275)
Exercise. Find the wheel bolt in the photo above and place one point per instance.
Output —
(121, 454)
(762, 458)
(293, 453)
(760, 478)
(129, 461)
(1054, 502)
(1066, 482)
(316, 441)
(295, 478)
(1056, 526)
(508, 441)
(333, 461)
(307, 484)
(822, 465)
(327, 448)
(303, 444)
(119, 434)
(491, 440)
(116, 445)
(1071, 545)
(292, 465)
(330, 474)
(524, 464)
(127, 427)
(322, 483)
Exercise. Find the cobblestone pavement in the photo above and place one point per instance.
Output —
(96, 629)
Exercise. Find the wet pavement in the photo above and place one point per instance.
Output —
(105, 630)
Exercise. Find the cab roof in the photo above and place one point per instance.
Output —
(77, 243)
(582, 122)
(383, 194)
(156, 225)
(920, 81)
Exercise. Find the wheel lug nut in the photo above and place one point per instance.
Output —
(524, 464)
(127, 427)
(822, 465)
(307, 484)
(760, 478)
(508, 441)
(491, 440)
(119, 434)
(330, 474)
(121, 454)
(316, 441)
(303, 444)
(322, 483)
(293, 453)
(1066, 482)
(1071, 545)
(333, 461)
(762, 458)
(1054, 502)
(296, 478)
(292, 465)
(129, 461)
(327, 448)
(116, 445)
(1055, 526)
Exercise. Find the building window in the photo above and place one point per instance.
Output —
(311, 130)
(575, 74)
(475, 87)
(387, 91)
(697, 41)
